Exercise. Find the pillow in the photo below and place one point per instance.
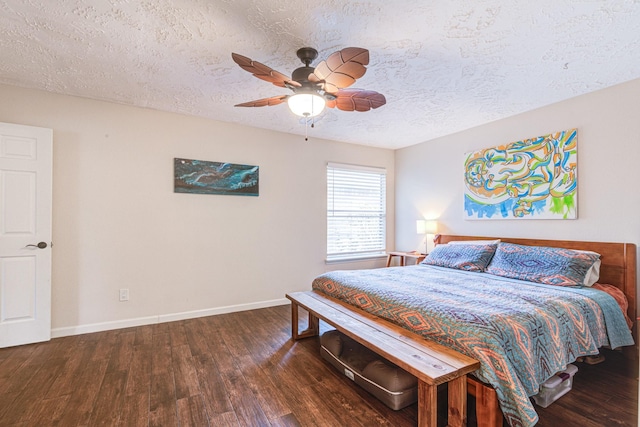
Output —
(474, 242)
(461, 257)
(540, 264)
(593, 274)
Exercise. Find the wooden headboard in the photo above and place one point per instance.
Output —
(618, 266)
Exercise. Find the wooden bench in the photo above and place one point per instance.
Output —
(431, 363)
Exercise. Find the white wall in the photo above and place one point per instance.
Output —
(118, 224)
(429, 176)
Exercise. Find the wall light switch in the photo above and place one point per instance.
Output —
(124, 294)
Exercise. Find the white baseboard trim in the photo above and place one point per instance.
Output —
(104, 326)
(221, 310)
(162, 318)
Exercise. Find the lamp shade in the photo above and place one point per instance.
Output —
(306, 104)
(424, 226)
(431, 227)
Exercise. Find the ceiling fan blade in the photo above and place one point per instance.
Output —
(264, 102)
(263, 72)
(358, 100)
(341, 69)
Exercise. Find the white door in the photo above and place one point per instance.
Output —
(25, 234)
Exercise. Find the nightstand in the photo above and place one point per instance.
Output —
(403, 255)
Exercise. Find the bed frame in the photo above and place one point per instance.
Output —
(618, 268)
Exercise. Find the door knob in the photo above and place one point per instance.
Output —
(40, 245)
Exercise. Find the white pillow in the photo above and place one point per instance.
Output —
(474, 242)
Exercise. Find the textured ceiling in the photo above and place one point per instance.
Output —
(443, 65)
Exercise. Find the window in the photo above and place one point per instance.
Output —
(356, 211)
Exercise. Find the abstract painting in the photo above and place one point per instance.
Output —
(535, 178)
(202, 177)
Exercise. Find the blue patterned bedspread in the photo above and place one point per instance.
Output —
(522, 333)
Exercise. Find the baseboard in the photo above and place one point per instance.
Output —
(162, 318)
(104, 326)
(221, 310)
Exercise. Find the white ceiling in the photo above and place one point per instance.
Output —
(443, 65)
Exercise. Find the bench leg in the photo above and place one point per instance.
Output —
(312, 330)
(488, 412)
(427, 405)
(458, 402)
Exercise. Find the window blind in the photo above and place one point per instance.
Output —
(356, 211)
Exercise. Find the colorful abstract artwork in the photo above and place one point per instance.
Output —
(202, 177)
(530, 179)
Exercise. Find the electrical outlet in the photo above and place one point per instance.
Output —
(124, 294)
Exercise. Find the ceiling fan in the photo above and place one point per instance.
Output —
(316, 88)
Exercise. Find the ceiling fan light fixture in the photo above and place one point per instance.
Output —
(306, 104)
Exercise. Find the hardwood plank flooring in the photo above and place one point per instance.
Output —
(239, 369)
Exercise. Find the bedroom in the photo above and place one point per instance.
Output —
(118, 224)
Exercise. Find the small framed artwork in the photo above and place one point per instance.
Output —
(203, 177)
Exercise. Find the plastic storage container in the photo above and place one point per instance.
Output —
(395, 387)
(556, 386)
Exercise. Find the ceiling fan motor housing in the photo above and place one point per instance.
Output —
(301, 75)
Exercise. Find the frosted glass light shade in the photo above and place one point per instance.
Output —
(306, 104)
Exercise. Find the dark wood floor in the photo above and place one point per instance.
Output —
(236, 369)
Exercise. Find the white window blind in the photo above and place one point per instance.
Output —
(356, 211)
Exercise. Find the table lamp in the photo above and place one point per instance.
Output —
(429, 228)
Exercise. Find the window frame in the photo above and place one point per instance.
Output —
(371, 216)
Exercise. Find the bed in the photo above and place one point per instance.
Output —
(466, 313)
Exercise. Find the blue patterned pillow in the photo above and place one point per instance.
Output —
(540, 264)
(461, 257)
